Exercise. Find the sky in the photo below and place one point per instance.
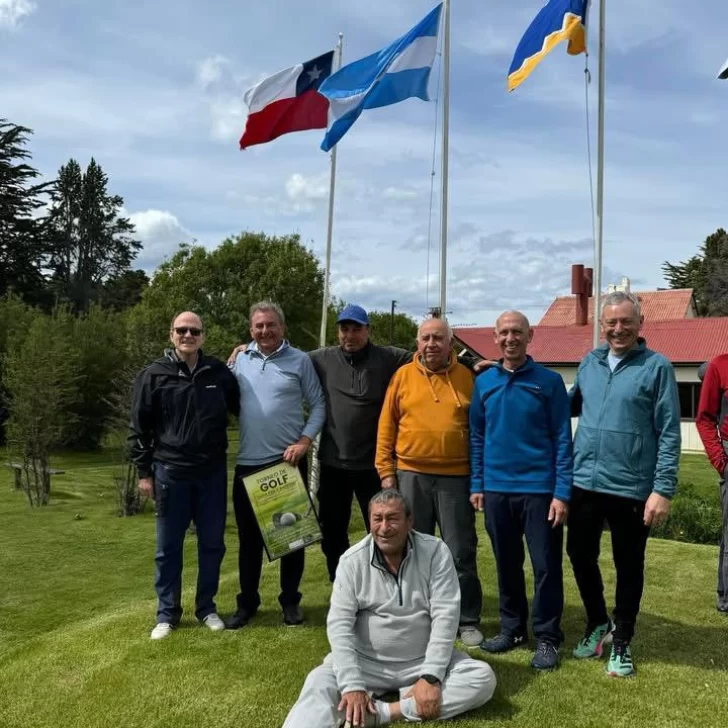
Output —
(154, 92)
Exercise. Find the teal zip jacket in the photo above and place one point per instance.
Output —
(628, 439)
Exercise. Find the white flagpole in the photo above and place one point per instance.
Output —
(330, 230)
(445, 153)
(600, 178)
(314, 462)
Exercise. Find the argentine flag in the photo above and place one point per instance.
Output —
(394, 74)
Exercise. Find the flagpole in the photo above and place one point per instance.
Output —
(598, 239)
(338, 53)
(445, 154)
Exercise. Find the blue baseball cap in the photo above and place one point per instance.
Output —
(353, 313)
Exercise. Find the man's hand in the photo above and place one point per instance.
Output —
(558, 512)
(477, 500)
(389, 483)
(657, 509)
(427, 699)
(356, 704)
(482, 365)
(293, 453)
(235, 352)
(146, 486)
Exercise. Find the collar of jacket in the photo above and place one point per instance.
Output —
(171, 356)
(602, 351)
(378, 561)
(526, 366)
(252, 349)
(358, 356)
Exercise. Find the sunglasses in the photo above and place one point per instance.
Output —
(182, 330)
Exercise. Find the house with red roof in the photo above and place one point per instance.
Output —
(564, 336)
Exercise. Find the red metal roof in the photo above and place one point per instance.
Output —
(686, 341)
(654, 305)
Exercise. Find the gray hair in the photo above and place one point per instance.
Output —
(618, 297)
(386, 496)
(267, 306)
(448, 328)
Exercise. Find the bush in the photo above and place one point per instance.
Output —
(693, 518)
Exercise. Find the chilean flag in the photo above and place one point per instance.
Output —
(287, 101)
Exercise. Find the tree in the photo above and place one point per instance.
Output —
(92, 244)
(40, 379)
(221, 285)
(124, 291)
(705, 274)
(405, 329)
(23, 230)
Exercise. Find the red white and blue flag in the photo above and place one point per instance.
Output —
(287, 101)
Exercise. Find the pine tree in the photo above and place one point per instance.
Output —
(23, 230)
(93, 244)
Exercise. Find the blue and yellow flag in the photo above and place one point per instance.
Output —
(558, 20)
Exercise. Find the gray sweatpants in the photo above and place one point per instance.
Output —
(468, 684)
(722, 601)
(445, 500)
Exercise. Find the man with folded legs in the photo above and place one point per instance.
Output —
(521, 469)
(178, 441)
(392, 622)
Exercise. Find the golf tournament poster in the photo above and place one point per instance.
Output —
(283, 508)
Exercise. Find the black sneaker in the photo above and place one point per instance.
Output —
(503, 643)
(292, 615)
(240, 618)
(546, 656)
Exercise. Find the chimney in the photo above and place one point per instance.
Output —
(581, 287)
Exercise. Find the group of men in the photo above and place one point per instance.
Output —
(421, 443)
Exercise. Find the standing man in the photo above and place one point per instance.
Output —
(712, 424)
(521, 469)
(391, 626)
(626, 456)
(422, 448)
(178, 441)
(275, 382)
(354, 377)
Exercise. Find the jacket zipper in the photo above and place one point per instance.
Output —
(599, 435)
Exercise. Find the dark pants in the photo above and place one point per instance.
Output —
(177, 502)
(336, 490)
(250, 555)
(588, 511)
(722, 601)
(445, 500)
(508, 518)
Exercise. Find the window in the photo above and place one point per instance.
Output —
(689, 393)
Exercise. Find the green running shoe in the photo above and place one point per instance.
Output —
(620, 661)
(594, 640)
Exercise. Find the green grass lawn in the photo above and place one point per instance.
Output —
(77, 604)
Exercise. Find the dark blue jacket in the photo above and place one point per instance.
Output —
(520, 432)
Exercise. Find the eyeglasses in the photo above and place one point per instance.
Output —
(182, 330)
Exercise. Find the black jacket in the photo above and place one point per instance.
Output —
(179, 417)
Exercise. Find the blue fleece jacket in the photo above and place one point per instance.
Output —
(520, 432)
(628, 439)
(273, 390)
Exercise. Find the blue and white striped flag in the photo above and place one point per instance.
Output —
(395, 73)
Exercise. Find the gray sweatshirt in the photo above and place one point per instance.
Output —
(378, 617)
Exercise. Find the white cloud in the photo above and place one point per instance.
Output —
(13, 11)
(400, 193)
(210, 70)
(160, 233)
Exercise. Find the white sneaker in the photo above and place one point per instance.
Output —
(213, 622)
(470, 635)
(162, 630)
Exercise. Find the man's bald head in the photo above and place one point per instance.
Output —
(187, 334)
(513, 334)
(513, 315)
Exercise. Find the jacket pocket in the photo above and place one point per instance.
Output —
(620, 461)
(585, 443)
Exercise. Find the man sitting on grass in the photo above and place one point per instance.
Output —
(393, 620)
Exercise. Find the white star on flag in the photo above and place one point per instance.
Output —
(314, 74)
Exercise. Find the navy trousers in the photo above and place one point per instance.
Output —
(508, 518)
(178, 501)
